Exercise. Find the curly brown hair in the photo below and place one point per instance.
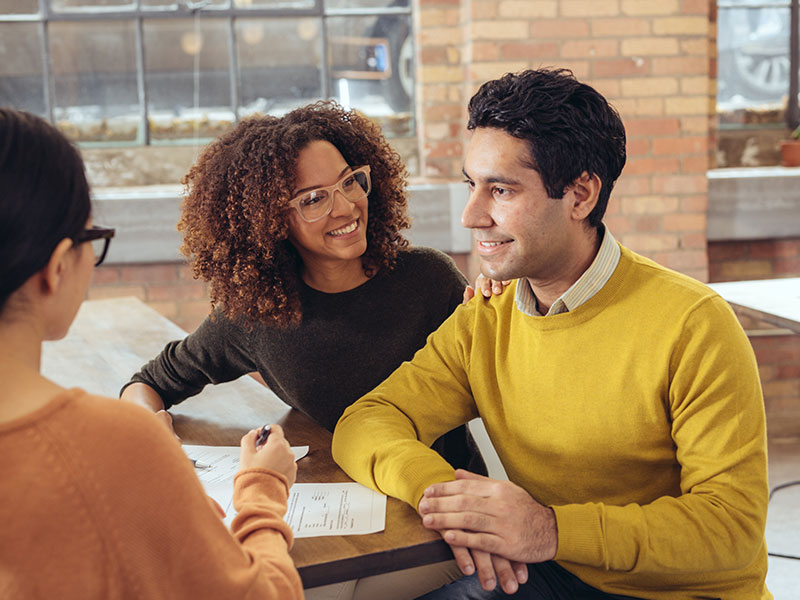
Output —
(235, 214)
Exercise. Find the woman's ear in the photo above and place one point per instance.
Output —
(53, 273)
(586, 191)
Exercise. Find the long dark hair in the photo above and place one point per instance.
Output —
(44, 196)
(570, 128)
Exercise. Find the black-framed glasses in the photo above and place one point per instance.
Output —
(100, 238)
(316, 204)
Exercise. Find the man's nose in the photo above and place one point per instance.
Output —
(475, 214)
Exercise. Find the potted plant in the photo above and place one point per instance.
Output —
(790, 150)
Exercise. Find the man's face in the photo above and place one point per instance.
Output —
(519, 231)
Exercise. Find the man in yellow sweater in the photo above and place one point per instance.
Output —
(622, 398)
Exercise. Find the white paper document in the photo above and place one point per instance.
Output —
(315, 509)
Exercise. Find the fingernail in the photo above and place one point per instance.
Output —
(423, 506)
(427, 519)
(511, 586)
(522, 575)
(468, 570)
(491, 584)
(449, 536)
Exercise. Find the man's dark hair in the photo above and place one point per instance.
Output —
(570, 128)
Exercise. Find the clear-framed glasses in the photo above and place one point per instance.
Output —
(100, 238)
(316, 204)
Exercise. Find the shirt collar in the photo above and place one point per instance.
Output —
(588, 284)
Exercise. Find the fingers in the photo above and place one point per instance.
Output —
(505, 574)
(485, 568)
(520, 570)
(469, 292)
(465, 483)
(463, 559)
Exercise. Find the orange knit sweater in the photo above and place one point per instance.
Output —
(99, 501)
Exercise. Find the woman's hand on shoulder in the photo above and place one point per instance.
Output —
(275, 454)
(486, 286)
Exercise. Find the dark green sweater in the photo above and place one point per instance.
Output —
(346, 344)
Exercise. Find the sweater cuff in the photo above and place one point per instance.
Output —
(580, 535)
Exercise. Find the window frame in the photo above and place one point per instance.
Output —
(185, 9)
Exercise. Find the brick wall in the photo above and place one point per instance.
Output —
(755, 259)
(651, 59)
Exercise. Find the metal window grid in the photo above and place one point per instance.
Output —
(182, 9)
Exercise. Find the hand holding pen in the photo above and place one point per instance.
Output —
(267, 448)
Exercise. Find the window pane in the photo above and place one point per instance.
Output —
(21, 82)
(279, 64)
(366, 3)
(753, 58)
(187, 73)
(89, 5)
(274, 3)
(95, 96)
(19, 7)
(371, 62)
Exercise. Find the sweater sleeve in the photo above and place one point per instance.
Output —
(216, 352)
(167, 537)
(716, 520)
(383, 440)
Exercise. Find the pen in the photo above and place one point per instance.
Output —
(199, 465)
(262, 436)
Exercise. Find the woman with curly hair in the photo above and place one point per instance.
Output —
(296, 223)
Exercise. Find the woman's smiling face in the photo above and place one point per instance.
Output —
(342, 234)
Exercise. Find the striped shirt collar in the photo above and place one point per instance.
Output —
(588, 284)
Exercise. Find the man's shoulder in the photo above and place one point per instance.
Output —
(652, 277)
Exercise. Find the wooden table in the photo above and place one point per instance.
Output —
(776, 301)
(111, 339)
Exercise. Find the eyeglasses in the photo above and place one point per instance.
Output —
(100, 237)
(316, 204)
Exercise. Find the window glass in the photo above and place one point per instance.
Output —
(371, 68)
(279, 64)
(274, 3)
(753, 63)
(21, 77)
(95, 96)
(19, 7)
(338, 4)
(187, 74)
(90, 5)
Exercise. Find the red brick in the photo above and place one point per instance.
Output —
(767, 372)
(682, 259)
(680, 184)
(650, 127)
(776, 349)
(116, 291)
(786, 388)
(105, 274)
(559, 28)
(649, 242)
(680, 65)
(637, 146)
(639, 166)
(632, 186)
(788, 371)
(444, 150)
(433, 55)
(618, 225)
(187, 291)
(694, 241)
(149, 273)
(685, 222)
(592, 48)
(695, 164)
(694, 204)
(485, 51)
(787, 267)
(719, 251)
(740, 270)
(620, 27)
(618, 67)
(698, 7)
(775, 248)
(680, 145)
(528, 50)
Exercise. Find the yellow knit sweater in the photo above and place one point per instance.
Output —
(637, 417)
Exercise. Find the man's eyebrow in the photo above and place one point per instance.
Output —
(493, 179)
(314, 187)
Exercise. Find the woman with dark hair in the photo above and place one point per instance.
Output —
(80, 519)
(296, 224)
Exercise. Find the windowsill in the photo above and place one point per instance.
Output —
(753, 203)
(145, 218)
